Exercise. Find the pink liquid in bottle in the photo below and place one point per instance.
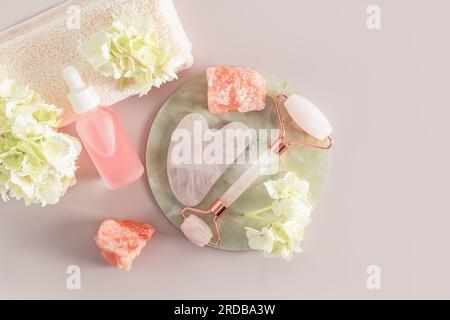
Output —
(109, 147)
(102, 135)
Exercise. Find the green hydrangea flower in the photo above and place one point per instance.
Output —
(131, 51)
(37, 163)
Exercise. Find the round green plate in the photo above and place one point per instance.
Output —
(309, 164)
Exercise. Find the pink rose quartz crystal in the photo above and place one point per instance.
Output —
(233, 89)
(197, 231)
(121, 242)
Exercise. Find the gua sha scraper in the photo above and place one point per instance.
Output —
(191, 182)
(309, 118)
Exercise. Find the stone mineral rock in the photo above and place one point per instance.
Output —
(233, 89)
(121, 242)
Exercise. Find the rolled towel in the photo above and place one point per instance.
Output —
(35, 52)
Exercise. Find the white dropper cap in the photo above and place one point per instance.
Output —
(82, 97)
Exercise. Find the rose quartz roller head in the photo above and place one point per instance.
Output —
(309, 118)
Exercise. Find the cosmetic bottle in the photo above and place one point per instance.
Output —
(102, 135)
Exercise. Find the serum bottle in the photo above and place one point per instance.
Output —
(102, 135)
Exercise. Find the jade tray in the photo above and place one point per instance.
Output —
(307, 163)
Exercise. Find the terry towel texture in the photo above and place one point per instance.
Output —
(36, 52)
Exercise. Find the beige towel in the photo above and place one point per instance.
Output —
(35, 52)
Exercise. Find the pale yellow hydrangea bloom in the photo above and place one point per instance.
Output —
(290, 214)
(131, 51)
(37, 164)
(290, 187)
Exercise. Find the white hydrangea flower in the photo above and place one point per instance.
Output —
(131, 50)
(22, 187)
(260, 240)
(50, 192)
(60, 151)
(276, 240)
(4, 178)
(37, 164)
(26, 127)
(290, 187)
(294, 210)
(287, 240)
(290, 214)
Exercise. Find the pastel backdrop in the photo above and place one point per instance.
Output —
(385, 92)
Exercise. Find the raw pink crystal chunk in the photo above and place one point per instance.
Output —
(121, 242)
(235, 89)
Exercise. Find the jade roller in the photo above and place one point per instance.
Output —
(309, 118)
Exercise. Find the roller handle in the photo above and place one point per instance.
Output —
(247, 179)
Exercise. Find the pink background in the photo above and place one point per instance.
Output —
(386, 93)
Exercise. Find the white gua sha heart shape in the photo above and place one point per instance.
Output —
(190, 180)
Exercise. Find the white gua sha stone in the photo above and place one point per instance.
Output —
(191, 182)
(308, 117)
